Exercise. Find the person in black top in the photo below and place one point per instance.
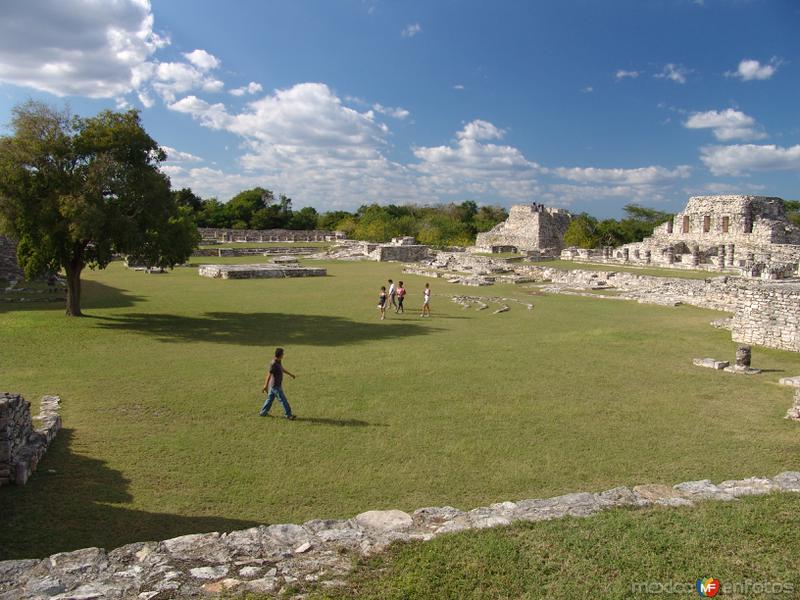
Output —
(274, 383)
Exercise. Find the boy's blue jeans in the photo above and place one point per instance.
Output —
(276, 391)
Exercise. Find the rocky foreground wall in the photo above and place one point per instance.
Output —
(23, 440)
(276, 557)
(768, 315)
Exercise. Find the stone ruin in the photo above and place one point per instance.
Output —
(403, 249)
(210, 235)
(22, 444)
(259, 271)
(747, 234)
(530, 228)
(290, 560)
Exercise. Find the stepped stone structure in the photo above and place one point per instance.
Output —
(747, 233)
(22, 444)
(9, 268)
(531, 228)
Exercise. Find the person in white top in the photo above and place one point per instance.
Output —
(426, 301)
(393, 295)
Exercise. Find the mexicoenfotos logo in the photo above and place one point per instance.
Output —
(708, 587)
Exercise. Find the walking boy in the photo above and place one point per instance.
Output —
(274, 384)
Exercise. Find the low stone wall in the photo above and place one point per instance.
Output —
(259, 271)
(285, 558)
(22, 444)
(208, 234)
(254, 251)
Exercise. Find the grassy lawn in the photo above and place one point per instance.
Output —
(655, 271)
(161, 388)
(644, 553)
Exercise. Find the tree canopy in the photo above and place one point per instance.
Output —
(76, 191)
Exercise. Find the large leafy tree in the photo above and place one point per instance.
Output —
(76, 191)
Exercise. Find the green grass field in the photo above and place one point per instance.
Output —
(161, 385)
(749, 545)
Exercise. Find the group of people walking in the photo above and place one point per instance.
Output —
(397, 294)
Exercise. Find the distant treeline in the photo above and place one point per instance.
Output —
(585, 231)
(444, 225)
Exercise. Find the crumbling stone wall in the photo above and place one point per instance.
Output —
(768, 315)
(9, 268)
(209, 234)
(22, 444)
(528, 228)
(401, 252)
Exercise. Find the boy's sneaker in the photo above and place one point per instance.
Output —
(291, 417)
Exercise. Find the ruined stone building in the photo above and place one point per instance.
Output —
(529, 228)
(749, 233)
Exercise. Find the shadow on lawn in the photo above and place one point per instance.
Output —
(74, 508)
(260, 329)
(93, 295)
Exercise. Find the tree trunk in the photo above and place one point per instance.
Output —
(73, 269)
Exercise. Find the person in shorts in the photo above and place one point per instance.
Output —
(426, 301)
(274, 386)
(382, 302)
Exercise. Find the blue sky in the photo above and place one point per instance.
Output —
(587, 105)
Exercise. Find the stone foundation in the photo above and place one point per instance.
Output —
(259, 271)
(22, 441)
(288, 558)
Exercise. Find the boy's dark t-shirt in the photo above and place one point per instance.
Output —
(276, 370)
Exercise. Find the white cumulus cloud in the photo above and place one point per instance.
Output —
(752, 70)
(250, 88)
(76, 47)
(728, 124)
(202, 59)
(739, 159)
(176, 156)
(637, 176)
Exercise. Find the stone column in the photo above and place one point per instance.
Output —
(721, 256)
(743, 355)
(729, 255)
(670, 255)
(695, 256)
(647, 256)
(626, 254)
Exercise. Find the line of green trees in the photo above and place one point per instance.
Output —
(585, 231)
(257, 208)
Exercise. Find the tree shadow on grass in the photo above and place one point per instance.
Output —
(74, 508)
(260, 329)
(93, 295)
